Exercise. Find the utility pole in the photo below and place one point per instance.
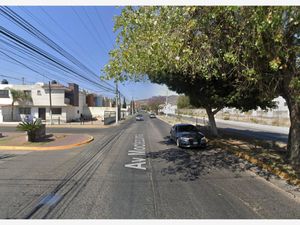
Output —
(23, 80)
(132, 106)
(50, 111)
(117, 105)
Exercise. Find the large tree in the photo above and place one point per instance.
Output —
(183, 102)
(219, 56)
(265, 49)
(172, 46)
(155, 102)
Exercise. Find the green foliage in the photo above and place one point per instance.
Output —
(240, 57)
(190, 49)
(295, 85)
(19, 96)
(30, 126)
(155, 102)
(226, 118)
(254, 120)
(183, 102)
(145, 107)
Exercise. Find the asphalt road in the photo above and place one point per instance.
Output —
(250, 130)
(133, 171)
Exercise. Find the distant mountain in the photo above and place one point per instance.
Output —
(172, 99)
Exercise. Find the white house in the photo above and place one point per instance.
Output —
(67, 102)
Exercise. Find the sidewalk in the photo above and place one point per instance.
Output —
(87, 124)
(18, 141)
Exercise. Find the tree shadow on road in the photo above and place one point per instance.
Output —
(46, 138)
(166, 141)
(191, 164)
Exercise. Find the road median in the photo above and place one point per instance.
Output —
(17, 141)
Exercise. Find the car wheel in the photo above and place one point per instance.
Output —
(177, 142)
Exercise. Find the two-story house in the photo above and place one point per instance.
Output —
(67, 102)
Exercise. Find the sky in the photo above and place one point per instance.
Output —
(85, 32)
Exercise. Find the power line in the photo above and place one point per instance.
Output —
(65, 67)
(22, 63)
(15, 78)
(103, 25)
(88, 29)
(39, 71)
(41, 53)
(66, 33)
(37, 61)
(95, 27)
(11, 15)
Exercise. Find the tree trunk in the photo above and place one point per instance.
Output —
(290, 95)
(12, 112)
(212, 122)
(294, 134)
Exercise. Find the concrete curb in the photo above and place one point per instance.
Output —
(59, 147)
(243, 155)
(274, 170)
(158, 117)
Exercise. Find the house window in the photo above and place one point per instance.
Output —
(38, 92)
(25, 111)
(285, 104)
(27, 93)
(4, 94)
(56, 111)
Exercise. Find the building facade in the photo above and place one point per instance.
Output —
(67, 102)
(94, 100)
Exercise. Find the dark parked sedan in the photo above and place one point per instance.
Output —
(187, 135)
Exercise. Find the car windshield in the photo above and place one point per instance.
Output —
(139, 115)
(187, 128)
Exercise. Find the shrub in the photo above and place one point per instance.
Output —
(31, 127)
(226, 118)
(253, 120)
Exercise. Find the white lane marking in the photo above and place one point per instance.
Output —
(133, 152)
(137, 165)
(139, 149)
